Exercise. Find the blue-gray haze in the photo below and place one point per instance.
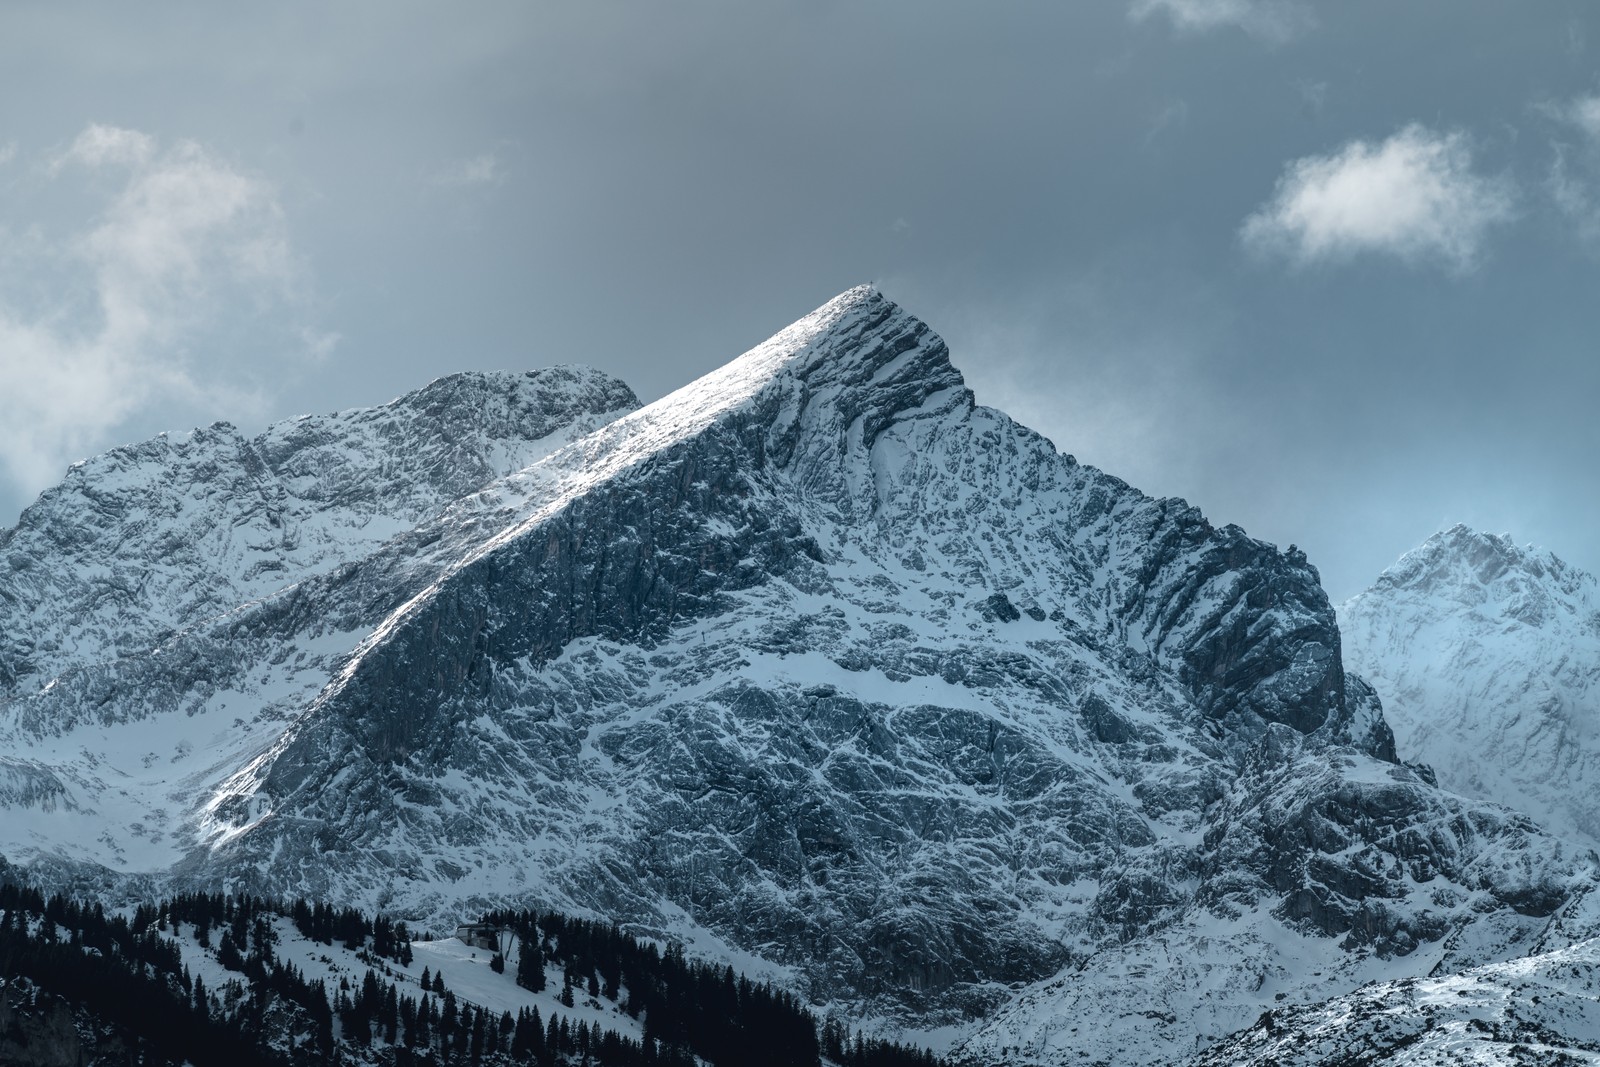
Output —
(1327, 270)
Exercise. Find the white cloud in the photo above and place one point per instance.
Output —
(1269, 21)
(174, 252)
(1584, 113)
(1573, 192)
(484, 169)
(99, 146)
(1575, 169)
(1173, 116)
(1415, 196)
(8, 152)
(1313, 94)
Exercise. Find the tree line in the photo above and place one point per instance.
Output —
(127, 972)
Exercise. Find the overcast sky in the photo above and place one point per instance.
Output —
(1327, 270)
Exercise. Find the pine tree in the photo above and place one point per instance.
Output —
(521, 1038)
(530, 963)
(424, 1029)
(500, 1034)
(228, 953)
(448, 1019)
(390, 1014)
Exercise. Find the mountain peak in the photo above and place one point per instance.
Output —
(823, 386)
(1487, 576)
(542, 396)
(1487, 658)
(858, 336)
(1463, 539)
(1468, 563)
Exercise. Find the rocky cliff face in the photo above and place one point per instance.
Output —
(815, 663)
(37, 1029)
(1487, 657)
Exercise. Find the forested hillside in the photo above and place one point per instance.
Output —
(243, 981)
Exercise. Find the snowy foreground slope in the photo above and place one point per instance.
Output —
(1487, 657)
(814, 665)
(1541, 1010)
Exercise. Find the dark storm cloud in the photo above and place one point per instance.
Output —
(1400, 339)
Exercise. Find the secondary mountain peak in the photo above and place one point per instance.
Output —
(1473, 565)
(1487, 658)
(522, 404)
(860, 355)
(156, 536)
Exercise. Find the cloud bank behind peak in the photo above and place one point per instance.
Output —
(171, 249)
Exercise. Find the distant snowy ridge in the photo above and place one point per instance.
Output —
(153, 537)
(1487, 658)
(147, 551)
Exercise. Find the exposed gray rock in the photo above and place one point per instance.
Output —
(36, 1028)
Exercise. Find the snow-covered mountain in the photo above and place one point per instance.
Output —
(153, 537)
(142, 550)
(1487, 657)
(814, 664)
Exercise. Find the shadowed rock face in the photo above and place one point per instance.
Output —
(38, 1030)
(814, 659)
